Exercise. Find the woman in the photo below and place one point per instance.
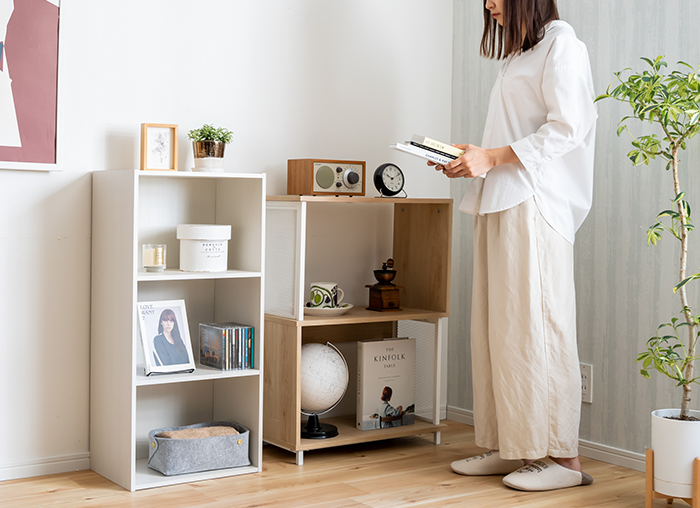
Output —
(532, 189)
(170, 350)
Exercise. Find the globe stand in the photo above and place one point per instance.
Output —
(317, 430)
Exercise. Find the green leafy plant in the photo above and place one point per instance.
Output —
(210, 133)
(671, 103)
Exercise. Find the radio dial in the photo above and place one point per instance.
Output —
(351, 178)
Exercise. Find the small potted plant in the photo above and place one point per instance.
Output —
(208, 143)
(670, 103)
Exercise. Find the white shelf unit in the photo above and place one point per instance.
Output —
(130, 208)
(343, 239)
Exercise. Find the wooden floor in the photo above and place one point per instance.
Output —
(395, 473)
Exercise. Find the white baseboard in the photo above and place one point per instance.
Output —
(612, 455)
(44, 466)
(460, 415)
(589, 449)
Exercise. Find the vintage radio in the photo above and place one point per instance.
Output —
(323, 177)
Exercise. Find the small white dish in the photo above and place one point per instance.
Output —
(318, 311)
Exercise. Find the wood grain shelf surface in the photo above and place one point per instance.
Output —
(359, 199)
(360, 315)
(348, 433)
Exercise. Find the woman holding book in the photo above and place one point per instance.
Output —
(170, 350)
(531, 190)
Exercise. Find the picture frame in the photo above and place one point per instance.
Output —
(158, 147)
(166, 349)
(31, 137)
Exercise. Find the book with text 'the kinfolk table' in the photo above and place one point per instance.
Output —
(385, 383)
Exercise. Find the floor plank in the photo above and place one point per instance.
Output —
(401, 472)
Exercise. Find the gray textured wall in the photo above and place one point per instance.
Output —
(623, 286)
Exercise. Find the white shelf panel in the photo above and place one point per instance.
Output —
(147, 478)
(200, 374)
(196, 174)
(174, 274)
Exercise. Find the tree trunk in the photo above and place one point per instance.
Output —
(690, 352)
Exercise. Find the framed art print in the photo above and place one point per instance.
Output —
(165, 335)
(29, 84)
(158, 147)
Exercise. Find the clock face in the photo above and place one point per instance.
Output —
(389, 179)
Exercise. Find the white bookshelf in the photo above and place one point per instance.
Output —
(130, 208)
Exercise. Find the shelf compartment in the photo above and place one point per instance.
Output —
(317, 238)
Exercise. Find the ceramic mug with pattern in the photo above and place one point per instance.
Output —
(325, 295)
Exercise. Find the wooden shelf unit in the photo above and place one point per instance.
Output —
(421, 234)
(131, 208)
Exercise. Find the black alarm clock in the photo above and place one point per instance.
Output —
(389, 179)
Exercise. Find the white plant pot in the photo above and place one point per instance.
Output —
(209, 164)
(676, 444)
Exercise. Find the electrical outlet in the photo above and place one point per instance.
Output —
(586, 383)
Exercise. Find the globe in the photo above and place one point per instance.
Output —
(324, 381)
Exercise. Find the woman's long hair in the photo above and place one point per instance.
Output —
(523, 27)
(169, 315)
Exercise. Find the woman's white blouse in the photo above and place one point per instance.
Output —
(542, 106)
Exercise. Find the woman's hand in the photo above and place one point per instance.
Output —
(476, 161)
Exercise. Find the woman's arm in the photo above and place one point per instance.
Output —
(477, 161)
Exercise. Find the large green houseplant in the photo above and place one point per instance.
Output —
(670, 103)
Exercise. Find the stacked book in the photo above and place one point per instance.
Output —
(226, 346)
(430, 149)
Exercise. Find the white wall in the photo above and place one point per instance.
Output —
(623, 286)
(291, 79)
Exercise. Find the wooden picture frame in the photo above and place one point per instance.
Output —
(158, 147)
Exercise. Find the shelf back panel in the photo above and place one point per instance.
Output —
(422, 254)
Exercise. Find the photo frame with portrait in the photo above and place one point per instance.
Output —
(158, 147)
(165, 337)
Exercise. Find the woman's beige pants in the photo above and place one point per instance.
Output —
(525, 368)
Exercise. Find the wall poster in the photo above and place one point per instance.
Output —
(28, 83)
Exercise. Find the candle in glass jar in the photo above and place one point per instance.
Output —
(154, 257)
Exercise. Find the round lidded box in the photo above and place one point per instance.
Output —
(203, 247)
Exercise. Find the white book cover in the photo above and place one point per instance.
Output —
(422, 152)
(386, 372)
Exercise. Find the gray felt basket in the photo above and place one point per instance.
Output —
(180, 456)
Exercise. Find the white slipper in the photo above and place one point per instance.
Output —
(487, 464)
(545, 474)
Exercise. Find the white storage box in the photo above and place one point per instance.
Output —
(203, 247)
